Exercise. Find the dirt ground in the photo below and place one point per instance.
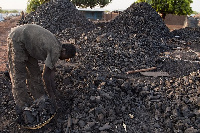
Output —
(5, 27)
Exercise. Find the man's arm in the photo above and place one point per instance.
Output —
(48, 77)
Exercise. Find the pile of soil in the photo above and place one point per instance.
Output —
(97, 95)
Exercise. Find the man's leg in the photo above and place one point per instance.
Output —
(34, 81)
(18, 73)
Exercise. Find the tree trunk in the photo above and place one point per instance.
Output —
(163, 16)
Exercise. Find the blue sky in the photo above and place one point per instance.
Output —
(115, 5)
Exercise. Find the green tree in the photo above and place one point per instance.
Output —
(91, 3)
(177, 7)
(8, 11)
(195, 12)
(0, 10)
(43, 1)
(33, 4)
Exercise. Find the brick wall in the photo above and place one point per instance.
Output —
(171, 19)
(110, 16)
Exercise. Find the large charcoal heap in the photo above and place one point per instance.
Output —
(106, 99)
(119, 48)
(139, 19)
(57, 15)
(187, 35)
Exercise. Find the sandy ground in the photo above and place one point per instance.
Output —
(5, 27)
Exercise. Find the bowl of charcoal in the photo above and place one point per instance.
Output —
(40, 113)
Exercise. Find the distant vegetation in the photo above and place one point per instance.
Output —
(177, 7)
(8, 11)
(194, 12)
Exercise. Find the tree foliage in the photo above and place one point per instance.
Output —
(8, 11)
(177, 7)
(33, 4)
(91, 3)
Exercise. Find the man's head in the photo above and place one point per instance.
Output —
(68, 51)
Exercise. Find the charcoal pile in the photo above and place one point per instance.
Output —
(140, 19)
(97, 95)
(187, 37)
(58, 15)
(119, 50)
(123, 40)
(187, 34)
(106, 99)
(192, 22)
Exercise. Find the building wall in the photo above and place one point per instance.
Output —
(93, 15)
(175, 22)
(110, 16)
(181, 21)
(172, 19)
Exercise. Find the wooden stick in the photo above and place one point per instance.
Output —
(141, 70)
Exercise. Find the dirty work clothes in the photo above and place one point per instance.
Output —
(40, 44)
(26, 45)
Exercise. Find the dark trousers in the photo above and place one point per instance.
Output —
(26, 77)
